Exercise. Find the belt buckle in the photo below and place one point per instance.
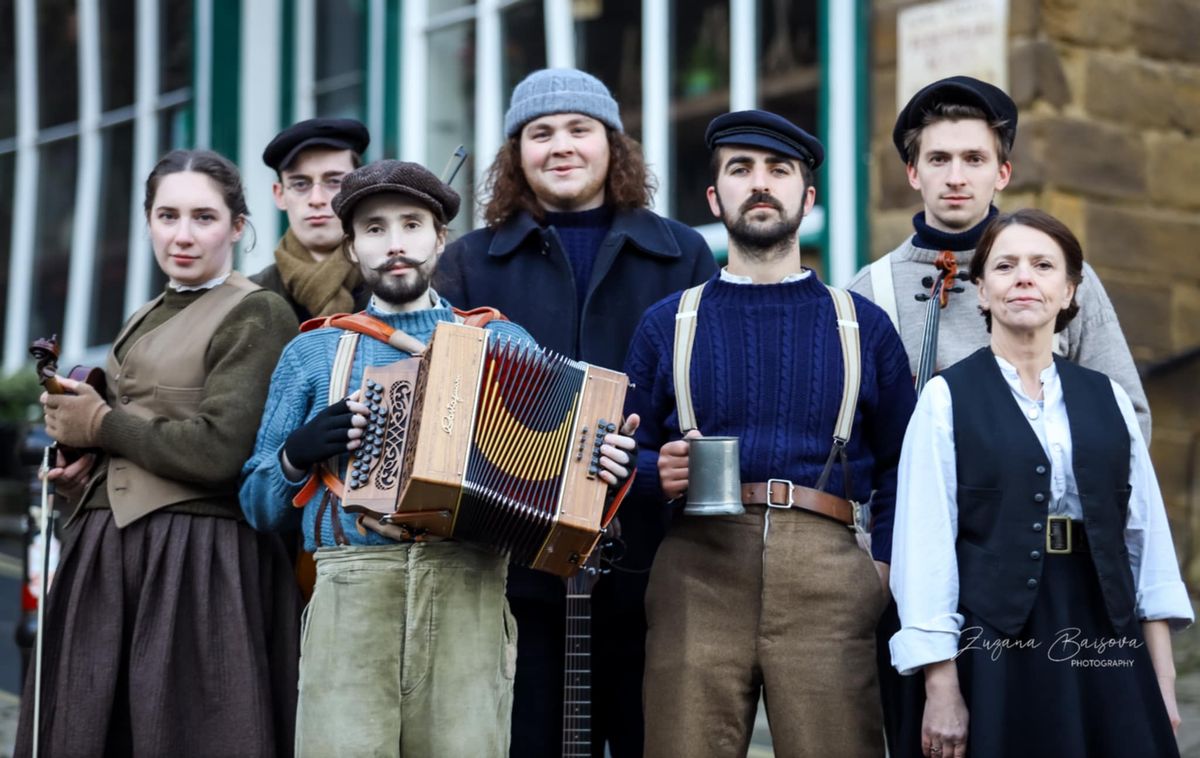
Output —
(1058, 535)
(790, 500)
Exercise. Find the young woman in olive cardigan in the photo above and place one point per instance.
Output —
(171, 625)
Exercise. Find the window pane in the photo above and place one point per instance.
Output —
(58, 69)
(608, 44)
(524, 32)
(172, 129)
(341, 53)
(699, 92)
(118, 41)
(451, 110)
(175, 44)
(112, 235)
(7, 166)
(52, 236)
(788, 73)
(441, 6)
(8, 81)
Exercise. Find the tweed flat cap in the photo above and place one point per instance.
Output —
(766, 130)
(335, 133)
(411, 179)
(560, 90)
(957, 90)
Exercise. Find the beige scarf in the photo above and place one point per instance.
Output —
(322, 287)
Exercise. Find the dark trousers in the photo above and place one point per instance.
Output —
(618, 657)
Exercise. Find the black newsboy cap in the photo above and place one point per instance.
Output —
(957, 90)
(769, 131)
(405, 178)
(335, 133)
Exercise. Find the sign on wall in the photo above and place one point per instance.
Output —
(948, 38)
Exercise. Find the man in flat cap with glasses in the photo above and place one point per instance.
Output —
(782, 600)
(310, 159)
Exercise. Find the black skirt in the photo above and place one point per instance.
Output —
(1067, 685)
(177, 635)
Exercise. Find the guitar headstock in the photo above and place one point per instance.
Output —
(583, 581)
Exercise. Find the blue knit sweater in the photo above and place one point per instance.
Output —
(299, 390)
(767, 369)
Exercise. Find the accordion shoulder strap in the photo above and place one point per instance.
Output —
(479, 317)
(369, 325)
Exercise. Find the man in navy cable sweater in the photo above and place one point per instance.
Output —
(782, 600)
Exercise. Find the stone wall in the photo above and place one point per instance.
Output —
(1109, 141)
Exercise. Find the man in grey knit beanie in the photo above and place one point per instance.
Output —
(572, 253)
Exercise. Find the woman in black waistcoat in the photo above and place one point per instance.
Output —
(1033, 565)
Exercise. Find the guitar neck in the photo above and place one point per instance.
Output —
(577, 685)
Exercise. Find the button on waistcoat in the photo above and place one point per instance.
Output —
(1004, 491)
(162, 376)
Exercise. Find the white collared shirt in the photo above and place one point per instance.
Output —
(202, 286)
(924, 576)
(739, 279)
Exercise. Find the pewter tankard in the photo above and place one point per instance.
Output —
(714, 484)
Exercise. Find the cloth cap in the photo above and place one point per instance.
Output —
(411, 179)
(560, 90)
(766, 130)
(957, 90)
(334, 133)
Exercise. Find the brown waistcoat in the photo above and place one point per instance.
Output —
(163, 375)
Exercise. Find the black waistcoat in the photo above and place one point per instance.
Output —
(1004, 491)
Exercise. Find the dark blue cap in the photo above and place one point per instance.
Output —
(765, 130)
(957, 90)
(330, 133)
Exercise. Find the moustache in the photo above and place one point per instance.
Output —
(761, 198)
(404, 259)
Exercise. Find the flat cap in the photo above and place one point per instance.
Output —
(957, 90)
(401, 177)
(766, 130)
(335, 133)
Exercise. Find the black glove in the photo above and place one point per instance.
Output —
(325, 436)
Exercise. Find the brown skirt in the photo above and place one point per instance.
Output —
(177, 635)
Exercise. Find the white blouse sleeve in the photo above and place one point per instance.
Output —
(1161, 594)
(924, 577)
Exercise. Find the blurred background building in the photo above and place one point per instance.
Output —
(92, 92)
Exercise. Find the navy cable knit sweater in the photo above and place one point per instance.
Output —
(767, 369)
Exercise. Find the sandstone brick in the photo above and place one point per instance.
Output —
(1168, 29)
(1184, 106)
(883, 105)
(883, 36)
(1027, 162)
(1185, 332)
(890, 229)
(1069, 209)
(894, 191)
(1169, 449)
(1160, 242)
(1101, 23)
(1128, 90)
(1093, 158)
(1035, 71)
(1174, 167)
(1023, 17)
(1143, 309)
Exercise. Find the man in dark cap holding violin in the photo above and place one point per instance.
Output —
(955, 137)
(310, 272)
(780, 600)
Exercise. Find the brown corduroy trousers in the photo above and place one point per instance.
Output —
(784, 603)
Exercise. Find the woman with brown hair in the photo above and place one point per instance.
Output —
(1032, 562)
(171, 626)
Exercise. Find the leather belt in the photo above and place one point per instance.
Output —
(781, 493)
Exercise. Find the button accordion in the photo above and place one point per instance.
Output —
(492, 441)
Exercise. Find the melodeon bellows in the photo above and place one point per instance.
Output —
(492, 441)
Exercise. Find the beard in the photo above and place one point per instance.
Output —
(761, 240)
(403, 291)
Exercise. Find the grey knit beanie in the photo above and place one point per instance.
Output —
(560, 90)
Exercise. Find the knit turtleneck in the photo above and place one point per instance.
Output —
(581, 233)
(935, 239)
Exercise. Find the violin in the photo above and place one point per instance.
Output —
(45, 354)
(938, 298)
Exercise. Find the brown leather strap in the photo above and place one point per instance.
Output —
(785, 494)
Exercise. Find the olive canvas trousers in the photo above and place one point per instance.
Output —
(407, 650)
